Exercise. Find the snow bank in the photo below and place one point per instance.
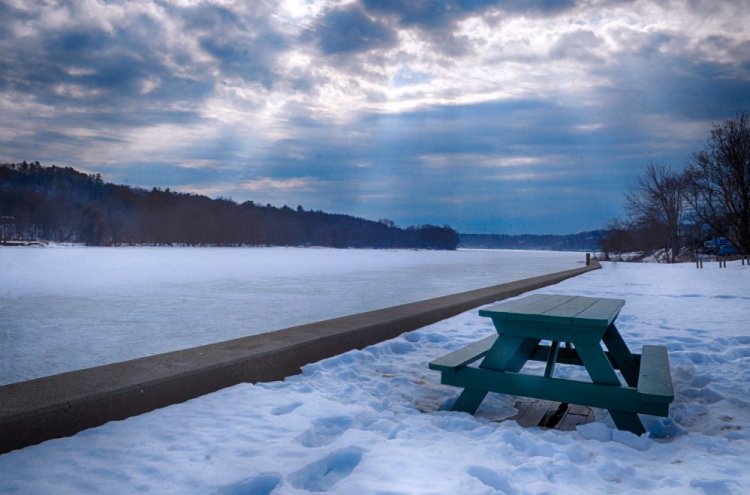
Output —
(375, 421)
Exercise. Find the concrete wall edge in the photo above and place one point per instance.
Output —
(62, 405)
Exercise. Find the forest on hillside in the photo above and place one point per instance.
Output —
(64, 205)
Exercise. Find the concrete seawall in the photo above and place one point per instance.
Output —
(61, 405)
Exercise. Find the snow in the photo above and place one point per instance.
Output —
(75, 307)
(376, 421)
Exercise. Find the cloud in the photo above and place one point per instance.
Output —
(582, 45)
(265, 184)
(444, 14)
(420, 111)
(351, 30)
(243, 42)
(113, 62)
(438, 21)
(160, 174)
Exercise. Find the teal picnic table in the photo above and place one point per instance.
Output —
(566, 330)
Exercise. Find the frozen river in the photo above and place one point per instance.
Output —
(69, 308)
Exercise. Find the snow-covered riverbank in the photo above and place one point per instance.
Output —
(374, 421)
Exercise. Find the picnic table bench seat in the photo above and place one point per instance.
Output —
(654, 378)
(463, 356)
(581, 324)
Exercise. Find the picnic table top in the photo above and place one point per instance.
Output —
(576, 311)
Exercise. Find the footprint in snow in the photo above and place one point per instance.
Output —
(286, 408)
(324, 431)
(322, 475)
(262, 484)
(492, 479)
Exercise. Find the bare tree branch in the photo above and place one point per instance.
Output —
(719, 182)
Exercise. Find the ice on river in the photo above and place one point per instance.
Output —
(76, 307)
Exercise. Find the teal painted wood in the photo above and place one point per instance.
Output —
(655, 380)
(570, 356)
(468, 400)
(550, 331)
(561, 310)
(551, 359)
(516, 304)
(464, 356)
(586, 323)
(598, 366)
(509, 353)
(621, 357)
(626, 420)
(601, 372)
(600, 314)
(527, 309)
(570, 308)
(557, 389)
(547, 303)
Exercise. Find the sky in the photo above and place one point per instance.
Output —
(489, 116)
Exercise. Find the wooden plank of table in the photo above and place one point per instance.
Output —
(555, 389)
(539, 306)
(465, 355)
(600, 314)
(558, 309)
(513, 305)
(655, 380)
(571, 308)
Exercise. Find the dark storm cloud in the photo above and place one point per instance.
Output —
(243, 43)
(137, 64)
(437, 20)
(652, 80)
(350, 30)
(83, 65)
(240, 60)
(445, 13)
(697, 91)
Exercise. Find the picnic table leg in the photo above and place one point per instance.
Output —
(469, 400)
(601, 371)
(621, 355)
(551, 359)
(506, 354)
(509, 353)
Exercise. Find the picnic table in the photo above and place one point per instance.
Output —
(562, 329)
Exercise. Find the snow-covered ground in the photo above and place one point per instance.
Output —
(75, 307)
(375, 422)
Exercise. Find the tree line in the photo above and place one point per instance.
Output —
(672, 212)
(64, 205)
(582, 241)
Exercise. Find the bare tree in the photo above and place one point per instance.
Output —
(719, 182)
(617, 240)
(655, 205)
